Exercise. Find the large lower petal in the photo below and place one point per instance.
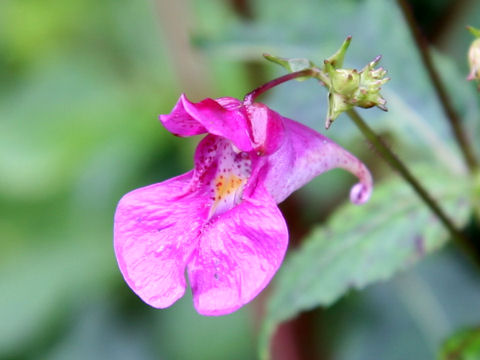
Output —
(306, 154)
(156, 229)
(239, 252)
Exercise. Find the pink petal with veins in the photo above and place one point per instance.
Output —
(238, 254)
(156, 229)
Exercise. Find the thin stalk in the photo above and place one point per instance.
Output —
(252, 95)
(442, 94)
(396, 164)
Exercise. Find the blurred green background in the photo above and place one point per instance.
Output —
(81, 85)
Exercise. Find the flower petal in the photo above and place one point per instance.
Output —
(223, 170)
(180, 122)
(267, 128)
(156, 229)
(225, 117)
(238, 254)
(305, 154)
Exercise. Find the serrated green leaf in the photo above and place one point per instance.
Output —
(360, 245)
(463, 345)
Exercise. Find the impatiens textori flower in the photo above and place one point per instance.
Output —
(220, 221)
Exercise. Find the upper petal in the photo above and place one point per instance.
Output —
(180, 122)
(305, 154)
(238, 254)
(225, 117)
(267, 128)
(156, 229)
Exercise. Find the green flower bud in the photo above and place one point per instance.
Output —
(343, 81)
(371, 81)
(349, 88)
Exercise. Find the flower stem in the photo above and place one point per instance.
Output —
(252, 95)
(398, 165)
(450, 112)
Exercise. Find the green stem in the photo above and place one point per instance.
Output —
(252, 95)
(313, 72)
(396, 164)
(442, 94)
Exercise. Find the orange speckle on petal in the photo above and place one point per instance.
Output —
(226, 187)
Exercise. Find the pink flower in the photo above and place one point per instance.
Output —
(220, 221)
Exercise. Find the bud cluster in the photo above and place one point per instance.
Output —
(347, 88)
(350, 87)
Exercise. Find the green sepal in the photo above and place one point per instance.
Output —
(337, 104)
(292, 65)
(336, 60)
(475, 32)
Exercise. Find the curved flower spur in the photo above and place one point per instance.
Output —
(220, 221)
